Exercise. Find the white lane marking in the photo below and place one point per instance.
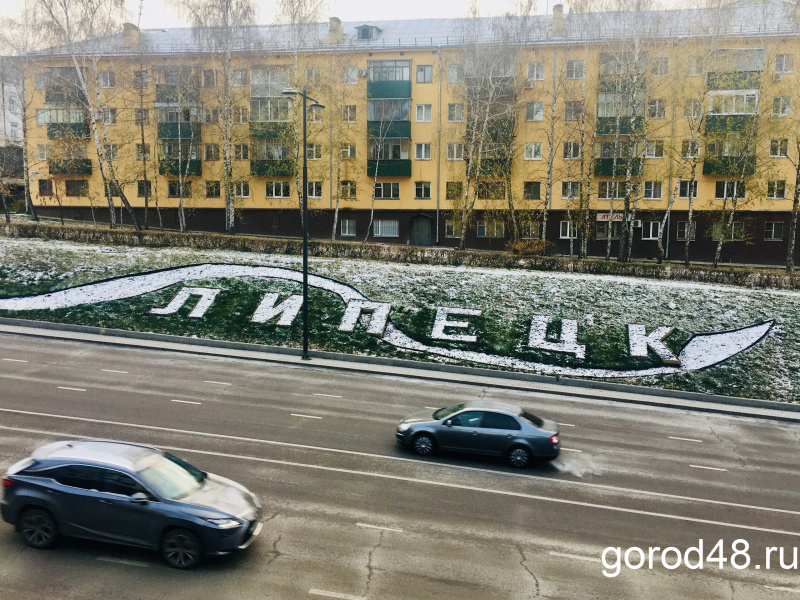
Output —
(217, 383)
(114, 371)
(334, 595)
(570, 450)
(566, 425)
(121, 561)
(680, 439)
(221, 436)
(575, 556)
(459, 486)
(783, 589)
(708, 468)
(185, 401)
(328, 395)
(304, 416)
(431, 407)
(61, 387)
(368, 526)
(15, 360)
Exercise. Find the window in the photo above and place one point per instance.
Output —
(491, 228)
(109, 116)
(490, 190)
(779, 147)
(141, 116)
(241, 152)
(12, 105)
(422, 190)
(350, 75)
(567, 230)
(212, 189)
(77, 187)
(718, 231)
(107, 79)
(603, 232)
(348, 227)
(239, 77)
(535, 71)
(349, 113)
(531, 230)
(612, 190)
(531, 190)
(423, 152)
(209, 78)
(659, 67)
(241, 189)
(729, 189)
(45, 187)
(62, 115)
(574, 69)
(315, 189)
(389, 110)
(682, 227)
(210, 116)
(773, 230)
(690, 148)
(776, 189)
(694, 66)
(387, 190)
(85, 478)
(452, 230)
(781, 106)
(652, 190)
(656, 109)
(455, 113)
(650, 230)
(312, 76)
(277, 189)
(570, 189)
(389, 70)
(423, 113)
(572, 150)
(692, 108)
(111, 151)
(534, 111)
(454, 190)
(455, 74)
(140, 80)
(784, 63)
(41, 152)
(684, 187)
(654, 149)
(533, 151)
(313, 152)
(240, 114)
(144, 189)
(386, 228)
(175, 190)
(424, 73)
(387, 151)
(348, 151)
(347, 190)
(455, 151)
(211, 152)
(733, 103)
(573, 110)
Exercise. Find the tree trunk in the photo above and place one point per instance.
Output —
(793, 222)
(5, 206)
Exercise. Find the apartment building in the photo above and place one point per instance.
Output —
(568, 128)
(10, 108)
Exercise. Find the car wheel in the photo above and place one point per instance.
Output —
(519, 457)
(38, 528)
(423, 444)
(180, 548)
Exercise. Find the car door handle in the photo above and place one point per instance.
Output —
(106, 502)
(54, 492)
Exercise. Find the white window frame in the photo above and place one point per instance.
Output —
(574, 150)
(780, 147)
(386, 228)
(450, 229)
(685, 224)
(650, 188)
(692, 186)
(647, 230)
(455, 112)
(784, 107)
(657, 108)
(572, 187)
(771, 231)
(241, 152)
(652, 149)
(535, 71)
(455, 151)
(350, 75)
(241, 189)
(774, 184)
(422, 185)
(109, 116)
(313, 152)
(284, 188)
(575, 69)
(732, 98)
(534, 112)
(347, 151)
(659, 66)
(455, 73)
(111, 151)
(533, 151)
(314, 189)
(784, 63)
(348, 189)
(348, 228)
(347, 117)
(422, 151)
(239, 78)
(108, 79)
(567, 230)
(427, 73)
(424, 111)
(394, 186)
(490, 228)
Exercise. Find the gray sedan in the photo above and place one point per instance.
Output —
(482, 427)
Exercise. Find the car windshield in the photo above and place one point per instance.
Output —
(171, 478)
(536, 421)
(443, 413)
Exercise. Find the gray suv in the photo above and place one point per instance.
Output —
(128, 494)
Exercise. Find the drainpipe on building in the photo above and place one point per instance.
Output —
(438, 146)
(671, 158)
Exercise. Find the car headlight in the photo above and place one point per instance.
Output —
(403, 427)
(224, 523)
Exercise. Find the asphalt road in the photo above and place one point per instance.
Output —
(352, 516)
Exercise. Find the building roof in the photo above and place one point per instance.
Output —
(743, 18)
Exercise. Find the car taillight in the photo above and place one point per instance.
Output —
(8, 483)
(553, 439)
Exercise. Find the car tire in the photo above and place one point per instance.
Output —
(519, 457)
(423, 444)
(38, 528)
(181, 549)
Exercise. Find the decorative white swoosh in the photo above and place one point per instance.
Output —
(701, 351)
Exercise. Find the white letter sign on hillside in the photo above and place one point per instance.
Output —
(537, 338)
(378, 316)
(207, 296)
(287, 309)
(441, 321)
(639, 343)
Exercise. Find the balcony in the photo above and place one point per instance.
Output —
(389, 168)
(736, 80)
(729, 123)
(729, 165)
(68, 131)
(388, 89)
(380, 130)
(173, 166)
(614, 83)
(273, 130)
(272, 168)
(605, 167)
(70, 166)
(608, 125)
(64, 95)
(176, 93)
(182, 131)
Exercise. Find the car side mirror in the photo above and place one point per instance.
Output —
(140, 498)
(449, 422)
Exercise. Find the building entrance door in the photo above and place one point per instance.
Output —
(421, 231)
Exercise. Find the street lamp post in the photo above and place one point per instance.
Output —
(316, 105)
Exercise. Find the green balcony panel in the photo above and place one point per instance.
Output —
(68, 131)
(176, 93)
(729, 165)
(736, 80)
(729, 123)
(608, 125)
(172, 166)
(492, 167)
(72, 166)
(389, 168)
(388, 129)
(182, 131)
(605, 167)
(272, 168)
(272, 130)
(388, 89)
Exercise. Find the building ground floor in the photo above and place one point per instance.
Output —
(758, 237)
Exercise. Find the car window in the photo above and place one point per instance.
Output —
(85, 478)
(120, 483)
(492, 420)
(471, 418)
(169, 479)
